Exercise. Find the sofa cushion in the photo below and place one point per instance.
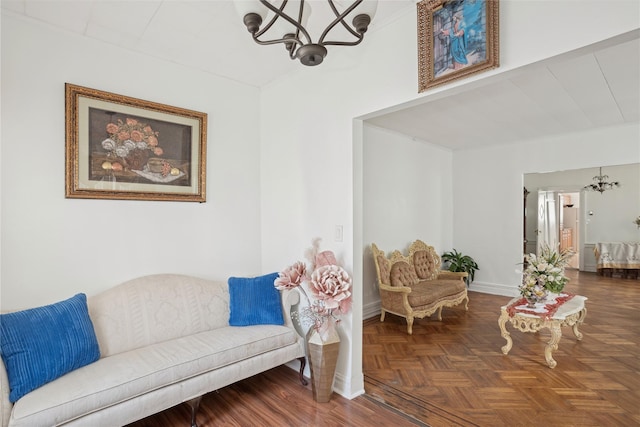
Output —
(429, 292)
(41, 344)
(254, 301)
(385, 270)
(157, 308)
(427, 264)
(125, 376)
(403, 274)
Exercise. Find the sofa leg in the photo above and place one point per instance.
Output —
(410, 325)
(382, 313)
(195, 405)
(303, 363)
(440, 314)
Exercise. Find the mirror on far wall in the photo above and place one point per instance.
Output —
(560, 212)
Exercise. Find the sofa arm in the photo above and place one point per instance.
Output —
(395, 299)
(395, 289)
(291, 304)
(452, 275)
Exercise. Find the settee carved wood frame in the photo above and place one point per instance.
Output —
(395, 299)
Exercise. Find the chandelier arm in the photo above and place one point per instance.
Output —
(340, 19)
(291, 47)
(353, 43)
(276, 41)
(291, 41)
(269, 25)
(279, 13)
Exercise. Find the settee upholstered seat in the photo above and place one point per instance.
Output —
(413, 286)
(430, 293)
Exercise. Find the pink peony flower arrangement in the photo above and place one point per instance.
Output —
(329, 286)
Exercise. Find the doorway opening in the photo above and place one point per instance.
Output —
(559, 222)
(569, 224)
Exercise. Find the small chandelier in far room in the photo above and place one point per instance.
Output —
(601, 184)
(286, 22)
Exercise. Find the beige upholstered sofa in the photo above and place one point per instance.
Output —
(163, 339)
(413, 286)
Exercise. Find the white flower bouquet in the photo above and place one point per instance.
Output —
(545, 272)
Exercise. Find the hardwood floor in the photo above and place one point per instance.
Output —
(276, 398)
(453, 373)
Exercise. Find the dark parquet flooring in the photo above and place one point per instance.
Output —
(454, 373)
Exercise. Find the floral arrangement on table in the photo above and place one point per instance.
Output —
(544, 273)
(637, 221)
(131, 142)
(328, 284)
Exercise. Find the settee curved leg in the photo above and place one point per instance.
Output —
(466, 303)
(382, 313)
(440, 314)
(303, 363)
(410, 325)
(195, 405)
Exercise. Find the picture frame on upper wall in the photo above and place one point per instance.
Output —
(119, 147)
(456, 39)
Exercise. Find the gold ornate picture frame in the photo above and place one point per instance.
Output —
(456, 38)
(118, 147)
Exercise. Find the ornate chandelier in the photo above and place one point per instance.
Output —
(601, 184)
(287, 21)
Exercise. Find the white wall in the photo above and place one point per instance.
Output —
(609, 216)
(407, 196)
(613, 211)
(312, 147)
(53, 247)
(493, 177)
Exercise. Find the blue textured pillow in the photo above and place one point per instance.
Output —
(255, 301)
(41, 344)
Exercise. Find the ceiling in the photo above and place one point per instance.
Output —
(598, 88)
(570, 94)
(204, 34)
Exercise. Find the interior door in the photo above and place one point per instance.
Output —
(547, 219)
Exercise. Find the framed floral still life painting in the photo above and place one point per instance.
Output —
(456, 38)
(119, 147)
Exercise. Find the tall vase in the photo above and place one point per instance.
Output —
(322, 350)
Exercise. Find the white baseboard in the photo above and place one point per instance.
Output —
(342, 385)
(371, 309)
(494, 289)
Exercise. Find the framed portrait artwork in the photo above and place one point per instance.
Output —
(456, 38)
(118, 147)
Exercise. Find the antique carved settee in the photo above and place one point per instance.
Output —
(162, 340)
(413, 286)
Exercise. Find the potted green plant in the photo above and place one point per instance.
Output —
(458, 262)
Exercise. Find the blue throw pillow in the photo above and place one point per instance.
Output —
(255, 301)
(41, 344)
